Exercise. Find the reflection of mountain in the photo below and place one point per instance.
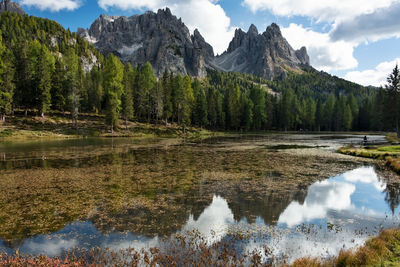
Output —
(268, 206)
(153, 191)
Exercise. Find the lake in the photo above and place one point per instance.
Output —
(291, 193)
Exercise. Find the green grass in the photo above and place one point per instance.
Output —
(59, 126)
(389, 149)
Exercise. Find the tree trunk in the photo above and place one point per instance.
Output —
(397, 128)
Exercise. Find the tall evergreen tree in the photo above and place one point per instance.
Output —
(44, 72)
(200, 109)
(257, 97)
(166, 84)
(72, 83)
(145, 84)
(59, 94)
(6, 82)
(393, 99)
(127, 96)
(113, 86)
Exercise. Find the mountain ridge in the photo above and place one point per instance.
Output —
(164, 40)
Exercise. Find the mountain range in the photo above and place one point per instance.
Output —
(165, 41)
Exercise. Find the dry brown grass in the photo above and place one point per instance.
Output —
(382, 250)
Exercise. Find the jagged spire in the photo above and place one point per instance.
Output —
(253, 30)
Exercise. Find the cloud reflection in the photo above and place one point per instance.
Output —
(321, 197)
(214, 222)
(333, 194)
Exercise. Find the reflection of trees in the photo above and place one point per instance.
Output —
(153, 191)
(392, 195)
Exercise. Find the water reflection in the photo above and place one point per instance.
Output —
(339, 212)
(359, 191)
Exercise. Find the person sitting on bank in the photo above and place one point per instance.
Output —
(365, 140)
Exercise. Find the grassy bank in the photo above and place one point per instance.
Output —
(58, 126)
(389, 154)
(383, 250)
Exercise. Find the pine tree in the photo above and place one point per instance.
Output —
(145, 84)
(59, 95)
(393, 99)
(352, 102)
(95, 90)
(233, 106)
(319, 119)
(347, 118)
(113, 85)
(200, 109)
(257, 97)
(127, 96)
(328, 113)
(188, 102)
(72, 83)
(44, 72)
(247, 116)
(166, 84)
(6, 81)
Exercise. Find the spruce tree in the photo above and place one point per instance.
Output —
(127, 96)
(6, 81)
(113, 85)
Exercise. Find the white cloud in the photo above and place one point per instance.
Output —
(50, 247)
(321, 197)
(332, 10)
(213, 222)
(53, 5)
(325, 54)
(205, 15)
(375, 77)
(131, 4)
(381, 24)
(365, 175)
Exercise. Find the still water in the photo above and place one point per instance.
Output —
(291, 193)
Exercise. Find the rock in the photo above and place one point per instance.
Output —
(164, 41)
(267, 55)
(7, 5)
(159, 38)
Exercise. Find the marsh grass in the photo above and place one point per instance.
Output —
(389, 154)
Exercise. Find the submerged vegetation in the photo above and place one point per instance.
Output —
(192, 249)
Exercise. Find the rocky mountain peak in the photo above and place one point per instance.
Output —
(267, 55)
(164, 40)
(252, 30)
(273, 31)
(159, 38)
(8, 5)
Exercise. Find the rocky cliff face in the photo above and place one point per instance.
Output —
(159, 38)
(7, 5)
(267, 55)
(166, 43)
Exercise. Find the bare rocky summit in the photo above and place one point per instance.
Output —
(163, 40)
(8, 5)
(159, 38)
(267, 55)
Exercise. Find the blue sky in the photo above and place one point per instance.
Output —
(355, 39)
